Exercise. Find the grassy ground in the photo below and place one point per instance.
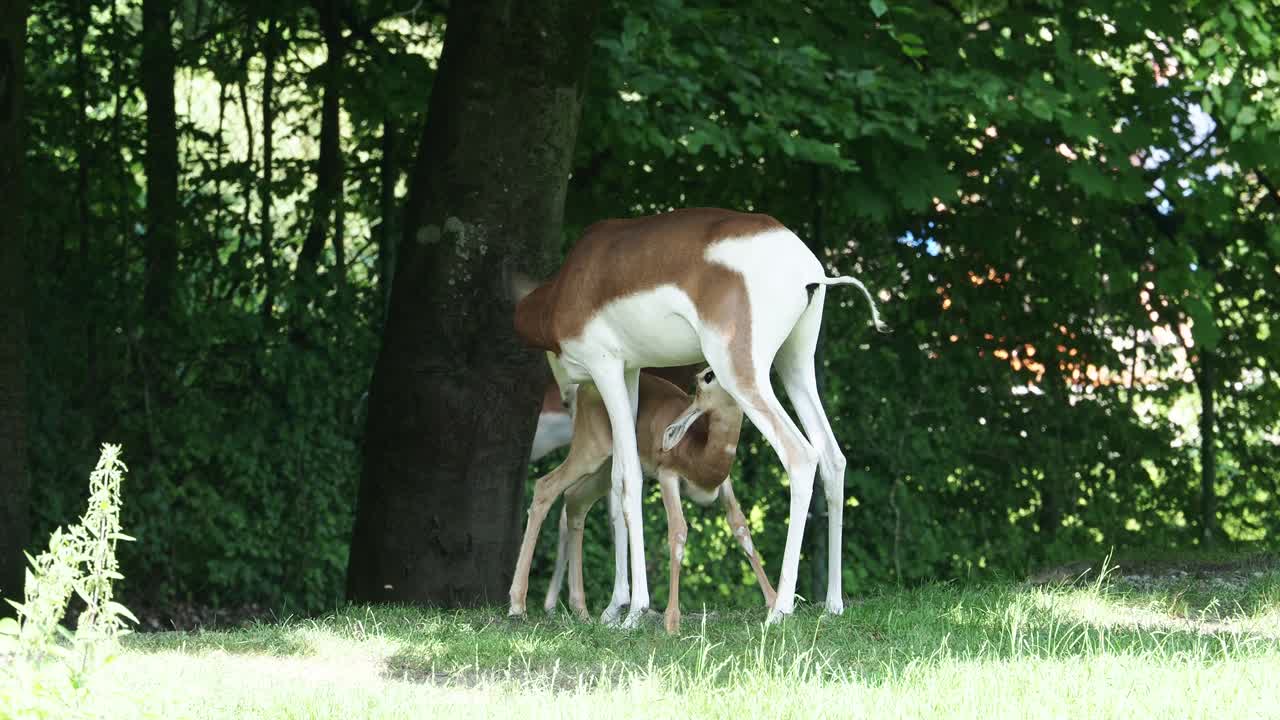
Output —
(1150, 643)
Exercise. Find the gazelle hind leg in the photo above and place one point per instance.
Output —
(795, 365)
(755, 396)
(741, 533)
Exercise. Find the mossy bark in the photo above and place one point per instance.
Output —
(454, 396)
(15, 488)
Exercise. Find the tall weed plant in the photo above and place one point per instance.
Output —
(45, 668)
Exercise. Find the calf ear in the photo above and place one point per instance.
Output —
(676, 430)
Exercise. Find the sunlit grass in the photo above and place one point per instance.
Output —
(1104, 649)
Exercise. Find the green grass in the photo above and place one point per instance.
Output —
(1180, 647)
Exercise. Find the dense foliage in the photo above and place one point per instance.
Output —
(1067, 211)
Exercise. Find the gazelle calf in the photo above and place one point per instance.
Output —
(738, 290)
(554, 431)
(684, 442)
(555, 419)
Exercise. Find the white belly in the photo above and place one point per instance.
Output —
(654, 328)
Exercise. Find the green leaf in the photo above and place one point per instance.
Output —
(116, 608)
(879, 7)
(1090, 179)
(1203, 328)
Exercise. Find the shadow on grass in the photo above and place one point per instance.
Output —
(880, 636)
(258, 639)
(876, 638)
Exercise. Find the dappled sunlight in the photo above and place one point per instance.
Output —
(1138, 612)
(1109, 648)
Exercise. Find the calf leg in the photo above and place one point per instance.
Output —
(546, 490)
(577, 502)
(738, 524)
(562, 564)
(677, 535)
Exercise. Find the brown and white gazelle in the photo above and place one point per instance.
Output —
(737, 290)
(698, 461)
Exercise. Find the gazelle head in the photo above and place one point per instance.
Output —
(708, 397)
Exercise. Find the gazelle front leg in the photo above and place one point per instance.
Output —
(738, 525)
(619, 388)
(621, 596)
(677, 535)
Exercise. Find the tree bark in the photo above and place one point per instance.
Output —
(326, 202)
(454, 396)
(246, 222)
(1208, 448)
(80, 26)
(387, 179)
(161, 160)
(15, 485)
(267, 239)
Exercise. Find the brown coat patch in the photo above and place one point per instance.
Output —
(617, 258)
(700, 457)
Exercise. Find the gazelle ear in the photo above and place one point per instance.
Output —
(676, 430)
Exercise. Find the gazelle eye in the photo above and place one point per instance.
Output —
(706, 379)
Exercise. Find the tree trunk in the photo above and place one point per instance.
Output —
(1208, 448)
(246, 221)
(161, 161)
(1054, 500)
(327, 198)
(267, 241)
(387, 179)
(454, 396)
(14, 484)
(80, 28)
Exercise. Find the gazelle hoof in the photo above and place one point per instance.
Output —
(611, 615)
(671, 621)
(634, 618)
(776, 614)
